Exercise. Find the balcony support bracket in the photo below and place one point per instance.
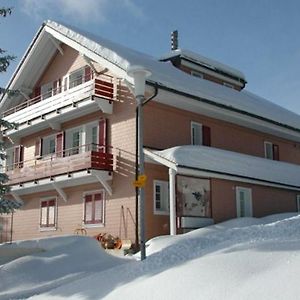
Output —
(16, 197)
(103, 105)
(55, 125)
(104, 183)
(60, 191)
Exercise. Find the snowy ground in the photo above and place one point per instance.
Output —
(243, 258)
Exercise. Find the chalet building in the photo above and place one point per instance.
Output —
(213, 150)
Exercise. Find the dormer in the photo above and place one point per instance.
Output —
(203, 67)
(206, 68)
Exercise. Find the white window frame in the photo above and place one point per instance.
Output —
(237, 198)
(49, 228)
(298, 203)
(164, 196)
(94, 225)
(200, 127)
(266, 144)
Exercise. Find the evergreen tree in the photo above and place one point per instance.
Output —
(6, 205)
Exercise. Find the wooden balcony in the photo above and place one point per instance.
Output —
(62, 104)
(87, 157)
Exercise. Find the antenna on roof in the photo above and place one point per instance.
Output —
(174, 40)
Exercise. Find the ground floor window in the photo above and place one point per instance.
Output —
(193, 197)
(94, 207)
(243, 202)
(48, 213)
(161, 197)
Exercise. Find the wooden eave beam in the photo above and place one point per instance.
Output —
(57, 45)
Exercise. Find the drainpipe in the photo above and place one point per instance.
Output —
(137, 165)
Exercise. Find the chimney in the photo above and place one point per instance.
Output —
(174, 40)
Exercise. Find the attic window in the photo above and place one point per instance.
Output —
(228, 85)
(197, 74)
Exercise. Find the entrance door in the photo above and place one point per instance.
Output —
(243, 202)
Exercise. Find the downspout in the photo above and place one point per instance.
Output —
(137, 166)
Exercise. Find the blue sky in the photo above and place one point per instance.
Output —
(258, 37)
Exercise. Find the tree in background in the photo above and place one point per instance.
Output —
(6, 205)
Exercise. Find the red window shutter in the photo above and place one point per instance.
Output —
(38, 147)
(59, 144)
(275, 152)
(103, 135)
(37, 93)
(87, 73)
(206, 136)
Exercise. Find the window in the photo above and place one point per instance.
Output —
(46, 90)
(48, 213)
(74, 141)
(92, 136)
(161, 197)
(298, 203)
(243, 202)
(76, 78)
(197, 74)
(10, 159)
(271, 151)
(94, 207)
(14, 157)
(196, 133)
(200, 134)
(48, 145)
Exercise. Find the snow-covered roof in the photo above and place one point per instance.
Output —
(164, 73)
(200, 59)
(222, 162)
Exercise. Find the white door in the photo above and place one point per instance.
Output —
(243, 202)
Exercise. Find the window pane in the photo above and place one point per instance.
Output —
(157, 197)
(76, 78)
(46, 90)
(88, 211)
(98, 210)
(269, 150)
(196, 134)
(44, 210)
(51, 212)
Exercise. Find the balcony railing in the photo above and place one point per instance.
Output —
(104, 86)
(86, 157)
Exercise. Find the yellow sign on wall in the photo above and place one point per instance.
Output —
(141, 181)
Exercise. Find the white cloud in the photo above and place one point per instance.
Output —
(79, 10)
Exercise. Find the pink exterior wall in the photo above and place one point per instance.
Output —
(265, 200)
(167, 127)
(155, 224)
(121, 134)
